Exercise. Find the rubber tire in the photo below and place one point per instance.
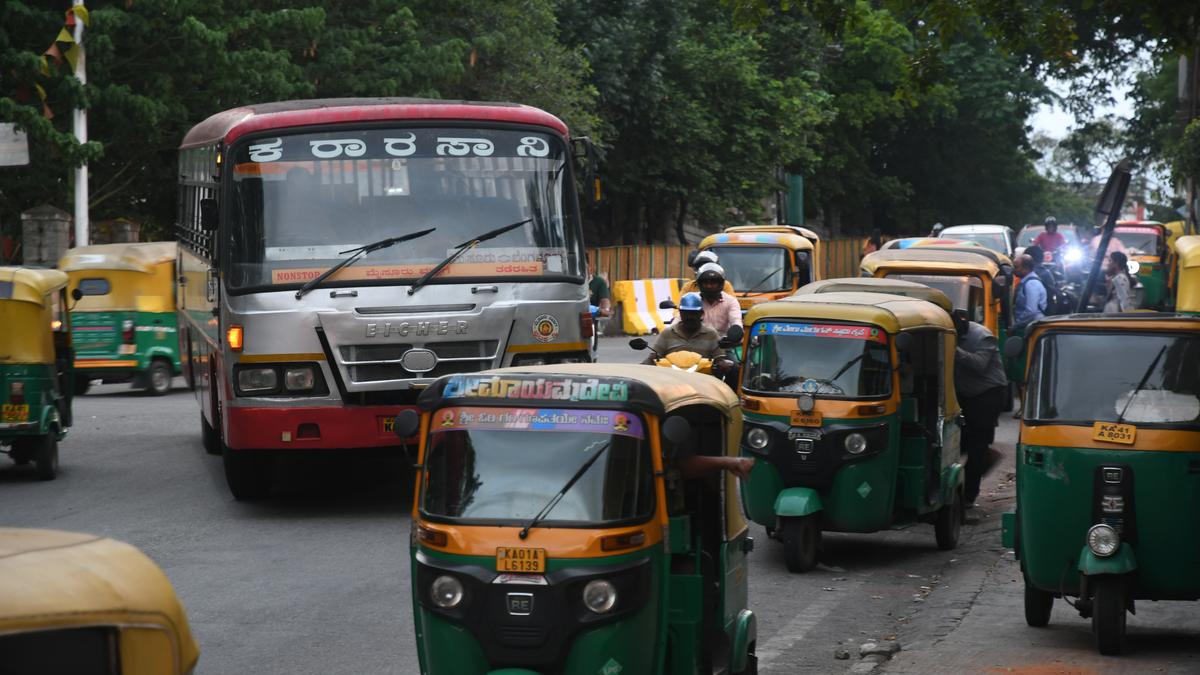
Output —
(248, 474)
(210, 437)
(1109, 614)
(82, 385)
(1038, 604)
(949, 523)
(801, 543)
(751, 665)
(45, 456)
(158, 378)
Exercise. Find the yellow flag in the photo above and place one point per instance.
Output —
(64, 35)
(72, 56)
(81, 12)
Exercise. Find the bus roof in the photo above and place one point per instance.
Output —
(229, 125)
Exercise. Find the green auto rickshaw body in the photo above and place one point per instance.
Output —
(805, 463)
(1147, 243)
(126, 320)
(1117, 446)
(680, 574)
(35, 354)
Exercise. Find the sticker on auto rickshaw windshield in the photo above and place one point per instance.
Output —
(1112, 432)
(537, 419)
(14, 412)
(806, 419)
(827, 330)
(515, 559)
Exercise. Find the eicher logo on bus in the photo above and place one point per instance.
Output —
(420, 328)
(556, 389)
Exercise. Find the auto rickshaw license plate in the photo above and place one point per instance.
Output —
(809, 419)
(14, 412)
(511, 559)
(1112, 432)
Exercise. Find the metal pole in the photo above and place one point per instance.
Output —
(1112, 199)
(81, 134)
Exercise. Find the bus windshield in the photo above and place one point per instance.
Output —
(504, 465)
(756, 269)
(837, 360)
(299, 201)
(1074, 378)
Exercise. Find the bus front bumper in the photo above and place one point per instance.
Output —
(327, 427)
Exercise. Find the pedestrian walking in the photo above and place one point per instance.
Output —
(1120, 284)
(1029, 305)
(981, 386)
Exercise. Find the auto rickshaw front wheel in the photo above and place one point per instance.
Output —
(1108, 614)
(1038, 604)
(801, 542)
(949, 523)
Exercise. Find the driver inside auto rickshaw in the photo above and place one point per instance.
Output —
(690, 333)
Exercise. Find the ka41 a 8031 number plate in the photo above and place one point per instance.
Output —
(510, 559)
(1112, 432)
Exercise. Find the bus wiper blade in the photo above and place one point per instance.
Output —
(1145, 376)
(358, 253)
(463, 248)
(557, 497)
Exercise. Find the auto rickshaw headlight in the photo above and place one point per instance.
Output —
(446, 592)
(856, 443)
(600, 596)
(757, 438)
(1103, 540)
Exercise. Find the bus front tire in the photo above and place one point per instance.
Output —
(248, 474)
(801, 541)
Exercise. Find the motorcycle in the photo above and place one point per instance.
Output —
(695, 363)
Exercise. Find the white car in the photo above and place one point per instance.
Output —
(999, 238)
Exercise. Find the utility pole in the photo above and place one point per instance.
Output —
(81, 134)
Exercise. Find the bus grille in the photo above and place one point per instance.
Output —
(379, 363)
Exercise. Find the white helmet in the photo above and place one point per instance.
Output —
(711, 267)
(703, 258)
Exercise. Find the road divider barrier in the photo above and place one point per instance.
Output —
(635, 304)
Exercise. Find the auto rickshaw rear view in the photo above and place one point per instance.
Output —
(1108, 467)
(850, 409)
(555, 533)
(35, 366)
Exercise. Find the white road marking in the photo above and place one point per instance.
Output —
(795, 630)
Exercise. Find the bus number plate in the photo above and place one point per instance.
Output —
(801, 419)
(509, 559)
(14, 412)
(1112, 432)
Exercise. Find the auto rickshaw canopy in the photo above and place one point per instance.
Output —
(139, 276)
(655, 390)
(53, 580)
(892, 313)
(27, 311)
(909, 289)
(973, 260)
(784, 229)
(787, 239)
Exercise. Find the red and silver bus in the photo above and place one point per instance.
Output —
(338, 255)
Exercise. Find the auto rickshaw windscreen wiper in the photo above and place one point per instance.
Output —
(559, 495)
(358, 253)
(760, 282)
(1145, 376)
(463, 248)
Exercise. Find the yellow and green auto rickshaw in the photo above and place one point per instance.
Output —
(850, 409)
(1108, 467)
(1187, 274)
(553, 533)
(1145, 243)
(908, 289)
(82, 604)
(124, 326)
(763, 263)
(35, 366)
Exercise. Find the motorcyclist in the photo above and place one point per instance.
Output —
(721, 309)
(691, 334)
(698, 261)
(1050, 240)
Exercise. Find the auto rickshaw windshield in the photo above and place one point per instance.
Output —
(835, 360)
(1138, 240)
(966, 292)
(1075, 378)
(756, 269)
(504, 465)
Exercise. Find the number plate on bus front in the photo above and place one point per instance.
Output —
(511, 559)
(1112, 432)
(14, 412)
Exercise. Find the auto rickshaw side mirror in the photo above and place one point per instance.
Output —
(208, 215)
(904, 342)
(407, 423)
(1013, 346)
(677, 431)
(76, 295)
(639, 343)
(666, 304)
(733, 336)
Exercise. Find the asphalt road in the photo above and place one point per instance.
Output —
(316, 579)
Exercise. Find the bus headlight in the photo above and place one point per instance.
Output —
(1103, 540)
(757, 438)
(446, 592)
(299, 378)
(856, 443)
(599, 596)
(257, 380)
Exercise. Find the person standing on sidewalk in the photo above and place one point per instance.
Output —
(981, 386)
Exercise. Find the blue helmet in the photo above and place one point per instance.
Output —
(691, 303)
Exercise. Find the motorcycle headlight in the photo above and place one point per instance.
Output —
(757, 438)
(299, 379)
(856, 443)
(1073, 255)
(599, 596)
(257, 380)
(1103, 540)
(446, 592)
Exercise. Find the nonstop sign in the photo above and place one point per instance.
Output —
(554, 389)
(826, 330)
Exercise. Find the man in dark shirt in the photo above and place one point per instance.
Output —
(981, 385)
(599, 295)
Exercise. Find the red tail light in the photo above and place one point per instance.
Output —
(127, 330)
(16, 392)
(585, 325)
